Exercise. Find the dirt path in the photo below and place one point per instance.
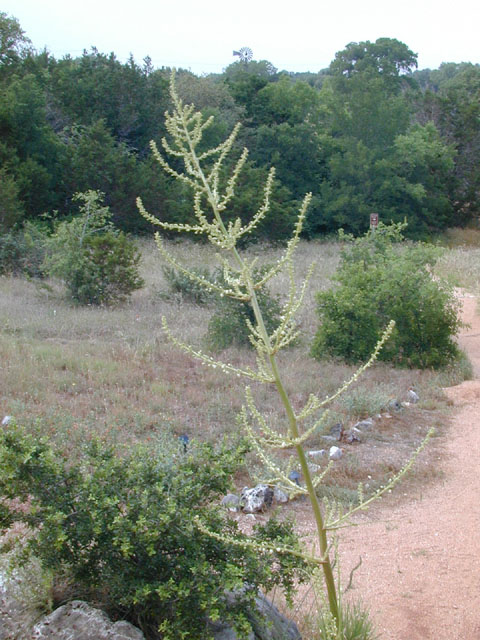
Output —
(420, 575)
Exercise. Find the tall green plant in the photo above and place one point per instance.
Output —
(204, 172)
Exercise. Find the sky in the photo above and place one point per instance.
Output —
(299, 35)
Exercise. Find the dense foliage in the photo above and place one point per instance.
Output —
(369, 133)
(98, 263)
(122, 529)
(378, 280)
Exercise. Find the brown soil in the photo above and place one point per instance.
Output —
(420, 571)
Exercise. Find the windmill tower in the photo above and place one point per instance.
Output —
(245, 54)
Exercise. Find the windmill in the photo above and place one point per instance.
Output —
(245, 54)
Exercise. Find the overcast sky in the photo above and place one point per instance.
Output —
(300, 35)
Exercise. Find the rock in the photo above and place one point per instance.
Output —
(6, 420)
(223, 631)
(317, 453)
(337, 430)
(267, 623)
(330, 438)
(257, 499)
(313, 467)
(231, 502)
(364, 424)
(16, 619)
(279, 495)
(351, 436)
(335, 453)
(77, 620)
(295, 476)
(413, 396)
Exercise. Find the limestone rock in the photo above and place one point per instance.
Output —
(266, 620)
(79, 621)
(257, 499)
(279, 495)
(269, 624)
(231, 502)
(335, 453)
(364, 425)
(317, 453)
(412, 396)
(337, 431)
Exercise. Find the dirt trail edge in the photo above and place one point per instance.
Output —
(420, 575)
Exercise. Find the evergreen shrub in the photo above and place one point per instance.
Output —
(190, 290)
(123, 530)
(22, 252)
(382, 278)
(98, 263)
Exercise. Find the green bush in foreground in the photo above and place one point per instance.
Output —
(123, 529)
(380, 279)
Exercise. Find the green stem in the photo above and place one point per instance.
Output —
(293, 426)
(294, 434)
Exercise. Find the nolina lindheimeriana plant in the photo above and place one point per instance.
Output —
(203, 172)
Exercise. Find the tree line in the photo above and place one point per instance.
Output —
(368, 134)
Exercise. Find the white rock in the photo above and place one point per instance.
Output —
(335, 453)
(257, 499)
(364, 424)
(313, 467)
(279, 495)
(78, 620)
(317, 453)
(412, 396)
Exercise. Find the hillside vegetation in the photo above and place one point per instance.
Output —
(367, 134)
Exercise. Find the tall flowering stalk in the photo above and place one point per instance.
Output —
(202, 171)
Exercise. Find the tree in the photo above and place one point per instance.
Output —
(30, 150)
(13, 43)
(11, 208)
(386, 57)
(452, 101)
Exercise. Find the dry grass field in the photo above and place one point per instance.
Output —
(72, 372)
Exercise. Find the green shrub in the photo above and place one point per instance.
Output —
(123, 529)
(22, 252)
(229, 324)
(98, 263)
(107, 271)
(379, 279)
(190, 290)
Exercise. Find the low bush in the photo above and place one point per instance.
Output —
(98, 263)
(381, 278)
(229, 324)
(22, 252)
(123, 529)
(107, 270)
(190, 290)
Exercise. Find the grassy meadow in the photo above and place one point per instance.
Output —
(75, 372)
